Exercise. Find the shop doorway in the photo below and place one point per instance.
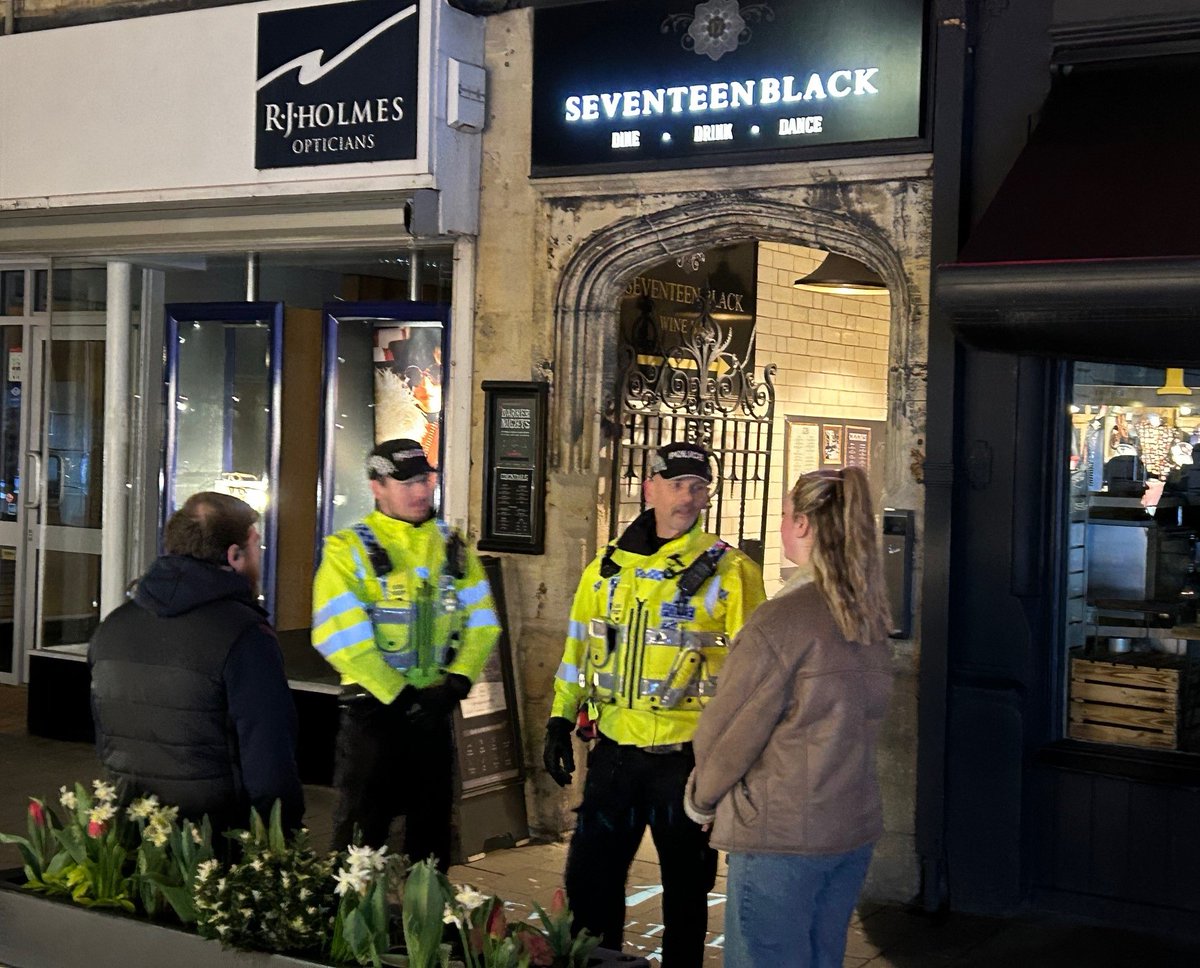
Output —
(51, 454)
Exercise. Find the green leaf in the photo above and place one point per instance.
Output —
(276, 837)
(425, 895)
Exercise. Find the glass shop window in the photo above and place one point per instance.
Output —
(1131, 630)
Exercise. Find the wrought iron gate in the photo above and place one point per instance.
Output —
(701, 392)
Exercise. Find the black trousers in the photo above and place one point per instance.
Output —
(626, 791)
(386, 767)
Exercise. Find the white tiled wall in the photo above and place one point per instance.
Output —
(832, 359)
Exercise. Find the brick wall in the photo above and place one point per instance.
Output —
(832, 359)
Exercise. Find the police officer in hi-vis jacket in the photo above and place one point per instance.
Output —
(402, 609)
(650, 628)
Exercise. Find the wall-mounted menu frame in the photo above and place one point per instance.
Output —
(814, 443)
(514, 467)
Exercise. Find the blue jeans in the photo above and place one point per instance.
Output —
(791, 910)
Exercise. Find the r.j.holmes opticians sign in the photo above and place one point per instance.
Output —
(337, 84)
(631, 84)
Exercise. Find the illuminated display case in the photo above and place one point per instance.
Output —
(223, 364)
(383, 379)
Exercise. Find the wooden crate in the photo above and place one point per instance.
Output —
(1136, 699)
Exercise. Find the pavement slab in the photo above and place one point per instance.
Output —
(881, 935)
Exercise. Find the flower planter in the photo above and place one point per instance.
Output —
(46, 932)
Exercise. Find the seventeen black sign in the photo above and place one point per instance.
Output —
(628, 84)
(337, 84)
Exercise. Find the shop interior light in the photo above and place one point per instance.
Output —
(842, 275)
(1173, 383)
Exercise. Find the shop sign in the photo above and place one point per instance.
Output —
(659, 308)
(642, 84)
(337, 84)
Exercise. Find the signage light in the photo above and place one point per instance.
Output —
(641, 83)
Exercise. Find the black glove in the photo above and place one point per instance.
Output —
(557, 754)
(433, 704)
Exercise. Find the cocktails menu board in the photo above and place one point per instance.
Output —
(514, 489)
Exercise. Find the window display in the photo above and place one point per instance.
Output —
(1131, 628)
(383, 380)
(223, 363)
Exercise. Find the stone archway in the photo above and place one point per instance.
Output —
(590, 287)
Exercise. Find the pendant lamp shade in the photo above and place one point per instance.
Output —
(844, 276)
(1173, 383)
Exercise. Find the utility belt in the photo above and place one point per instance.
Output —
(664, 749)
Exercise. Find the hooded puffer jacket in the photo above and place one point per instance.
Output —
(189, 696)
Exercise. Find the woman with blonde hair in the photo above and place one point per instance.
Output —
(785, 751)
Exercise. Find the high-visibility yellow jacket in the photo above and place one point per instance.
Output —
(644, 660)
(410, 626)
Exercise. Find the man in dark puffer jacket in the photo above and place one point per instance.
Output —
(188, 690)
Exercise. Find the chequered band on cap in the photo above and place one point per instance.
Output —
(400, 459)
(682, 459)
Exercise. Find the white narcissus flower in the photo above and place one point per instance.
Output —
(205, 869)
(350, 880)
(196, 838)
(104, 791)
(67, 798)
(450, 916)
(469, 898)
(364, 858)
(143, 807)
(102, 813)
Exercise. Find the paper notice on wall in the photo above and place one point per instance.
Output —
(803, 449)
(484, 698)
(16, 365)
(858, 447)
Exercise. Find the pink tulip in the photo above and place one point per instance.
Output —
(559, 904)
(95, 828)
(496, 925)
(538, 949)
(37, 813)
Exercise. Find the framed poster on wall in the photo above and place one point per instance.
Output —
(858, 447)
(832, 445)
(814, 443)
(514, 467)
(802, 448)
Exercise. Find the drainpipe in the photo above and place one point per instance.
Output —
(115, 503)
(8, 10)
(952, 84)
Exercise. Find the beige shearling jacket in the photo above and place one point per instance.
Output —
(785, 751)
